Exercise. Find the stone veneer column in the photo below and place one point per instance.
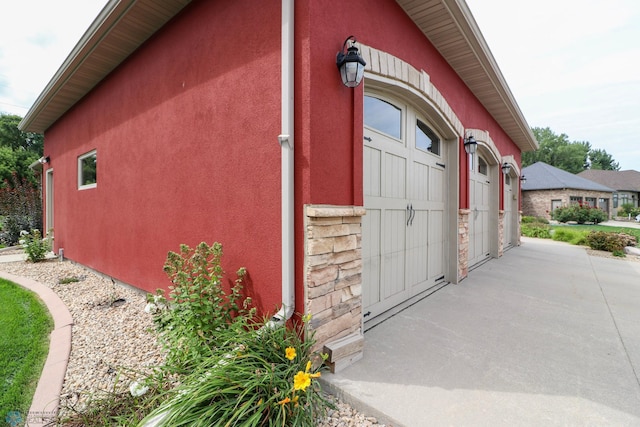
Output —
(463, 243)
(333, 281)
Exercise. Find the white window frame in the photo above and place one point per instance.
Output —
(80, 159)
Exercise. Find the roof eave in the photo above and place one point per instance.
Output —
(473, 62)
(100, 50)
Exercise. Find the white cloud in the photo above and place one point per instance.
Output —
(572, 66)
(35, 38)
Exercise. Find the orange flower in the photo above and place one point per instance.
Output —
(290, 353)
(284, 401)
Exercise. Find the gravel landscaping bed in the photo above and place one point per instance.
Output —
(112, 337)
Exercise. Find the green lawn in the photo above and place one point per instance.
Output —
(25, 325)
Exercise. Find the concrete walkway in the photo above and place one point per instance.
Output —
(546, 335)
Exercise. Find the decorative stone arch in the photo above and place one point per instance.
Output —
(385, 71)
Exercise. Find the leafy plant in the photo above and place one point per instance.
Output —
(534, 219)
(34, 245)
(261, 375)
(566, 234)
(21, 205)
(610, 242)
(628, 209)
(538, 230)
(198, 309)
(579, 213)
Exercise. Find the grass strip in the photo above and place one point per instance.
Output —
(25, 325)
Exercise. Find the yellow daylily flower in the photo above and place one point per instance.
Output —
(290, 353)
(301, 381)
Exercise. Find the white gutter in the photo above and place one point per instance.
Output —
(287, 168)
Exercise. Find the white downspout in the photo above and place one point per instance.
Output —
(287, 168)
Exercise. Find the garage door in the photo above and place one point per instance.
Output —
(479, 194)
(403, 240)
(509, 211)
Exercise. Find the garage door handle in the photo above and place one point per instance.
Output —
(411, 213)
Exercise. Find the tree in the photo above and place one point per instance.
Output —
(17, 150)
(570, 156)
(11, 136)
(601, 160)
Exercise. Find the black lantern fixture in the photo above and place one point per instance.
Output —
(470, 144)
(506, 167)
(350, 63)
(523, 179)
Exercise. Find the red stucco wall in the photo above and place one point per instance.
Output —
(186, 137)
(186, 132)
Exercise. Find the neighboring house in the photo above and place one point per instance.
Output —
(625, 183)
(547, 188)
(185, 121)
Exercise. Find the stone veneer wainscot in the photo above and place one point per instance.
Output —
(333, 281)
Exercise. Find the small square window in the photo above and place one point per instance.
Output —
(87, 170)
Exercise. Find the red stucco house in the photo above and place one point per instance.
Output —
(182, 121)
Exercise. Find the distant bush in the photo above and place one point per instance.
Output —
(538, 230)
(610, 242)
(579, 213)
(534, 219)
(21, 206)
(628, 209)
(566, 234)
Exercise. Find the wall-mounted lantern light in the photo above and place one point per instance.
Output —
(506, 167)
(523, 179)
(350, 63)
(43, 160)
(470, 144)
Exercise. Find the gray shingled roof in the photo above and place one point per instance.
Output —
(628, 180)
(541, 176)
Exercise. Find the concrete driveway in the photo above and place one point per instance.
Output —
(546, 335)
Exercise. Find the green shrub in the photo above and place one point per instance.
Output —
(610, 242)
(566, 234)
(199, 308)
(541, 231)
(579, 213)
(21, 206)
(34, 245)
(260, 376)
(230, 369)
(534, 219)
(628, 209)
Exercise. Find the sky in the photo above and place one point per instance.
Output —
(572, 65)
